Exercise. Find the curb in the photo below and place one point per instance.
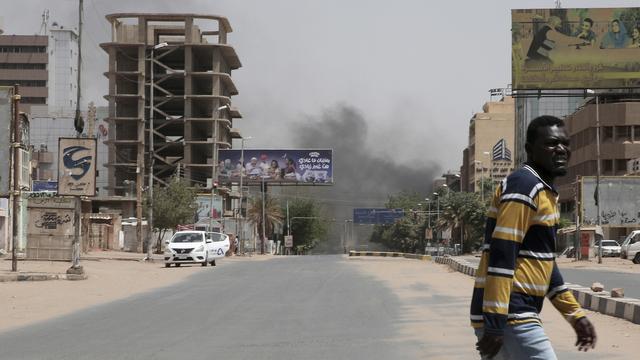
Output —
(602, 302)
(41, 277)
(390, 254)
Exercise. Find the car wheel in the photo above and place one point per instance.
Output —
(213, 263)
(167, 265)
(205, 262)
(623, 255)
(636, 259)
(177, 265)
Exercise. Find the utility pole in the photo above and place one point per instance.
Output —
(16, 177)
(264, 196)
(598, 221)
(79, 126)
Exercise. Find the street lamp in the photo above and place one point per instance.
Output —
(241, 242)
(597, 168)
(214, 172)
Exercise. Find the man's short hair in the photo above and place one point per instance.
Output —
(589, 21)
(539, 122)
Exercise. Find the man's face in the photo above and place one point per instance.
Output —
(550, 152)
(586, 26)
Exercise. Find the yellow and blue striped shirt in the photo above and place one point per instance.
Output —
(517, 268)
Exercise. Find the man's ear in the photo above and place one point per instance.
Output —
(527, 149)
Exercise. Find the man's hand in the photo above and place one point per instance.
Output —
(489, 345)
(586, 334)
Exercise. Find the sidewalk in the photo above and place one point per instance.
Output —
(56, 270)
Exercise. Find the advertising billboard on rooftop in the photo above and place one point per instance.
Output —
(295, 166)
(575, 48)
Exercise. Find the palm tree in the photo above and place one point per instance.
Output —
(272, 214)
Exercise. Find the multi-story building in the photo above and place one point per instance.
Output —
(531, 104)
(169, 76)
(46, 68)
(619, 143)
(23, 61)
(488, 155)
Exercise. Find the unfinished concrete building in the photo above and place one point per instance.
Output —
(170, 91)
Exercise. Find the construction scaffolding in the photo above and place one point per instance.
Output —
(170, 91)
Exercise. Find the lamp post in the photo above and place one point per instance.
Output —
(598, 220)
(214, 156)
(151, 145)
(241, 216)
(437, 216)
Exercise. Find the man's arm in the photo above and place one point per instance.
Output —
(564, 301)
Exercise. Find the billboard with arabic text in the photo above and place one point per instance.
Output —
(295, 166)
(580, 48)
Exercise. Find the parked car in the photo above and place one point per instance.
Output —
(192, 247)
(609, 248)
(630, 248)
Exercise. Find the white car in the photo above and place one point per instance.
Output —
(630, 248)
(609, 248)
(193, 247)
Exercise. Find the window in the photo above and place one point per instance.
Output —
(607, 133)
(623, 133)
(636, 132)
(621, 166)
(607, 166)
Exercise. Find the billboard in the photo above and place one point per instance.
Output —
(619, 200)
(204, 212)
(6, 116)
(308, 166)
(77, 166)
(376, 215)
(575, 48)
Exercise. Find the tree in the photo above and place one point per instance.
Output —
(173, 205)
(307, 226)
(273, 216)
(466, 210)
(405, 234)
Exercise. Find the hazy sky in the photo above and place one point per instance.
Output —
(414, 70)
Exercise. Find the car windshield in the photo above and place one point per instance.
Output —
(609, 243)
(187, 238)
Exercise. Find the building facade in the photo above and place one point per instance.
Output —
(169, 76)
(619, 143)
(489, 154)
(529, 105)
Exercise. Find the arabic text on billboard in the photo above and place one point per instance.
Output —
(313, 166)
(575, 48)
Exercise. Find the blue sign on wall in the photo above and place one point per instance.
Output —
(376, 215)
(44, 185)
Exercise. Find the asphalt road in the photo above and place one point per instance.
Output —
(312, 307)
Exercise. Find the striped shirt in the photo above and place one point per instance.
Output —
(517, 268)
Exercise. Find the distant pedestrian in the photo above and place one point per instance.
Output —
(517, 268)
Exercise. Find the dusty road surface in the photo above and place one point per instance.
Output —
(306, 307)
(435, 308)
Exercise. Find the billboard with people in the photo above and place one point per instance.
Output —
(308, 166)
(575, 48)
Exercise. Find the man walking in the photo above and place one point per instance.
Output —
(518, 269)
